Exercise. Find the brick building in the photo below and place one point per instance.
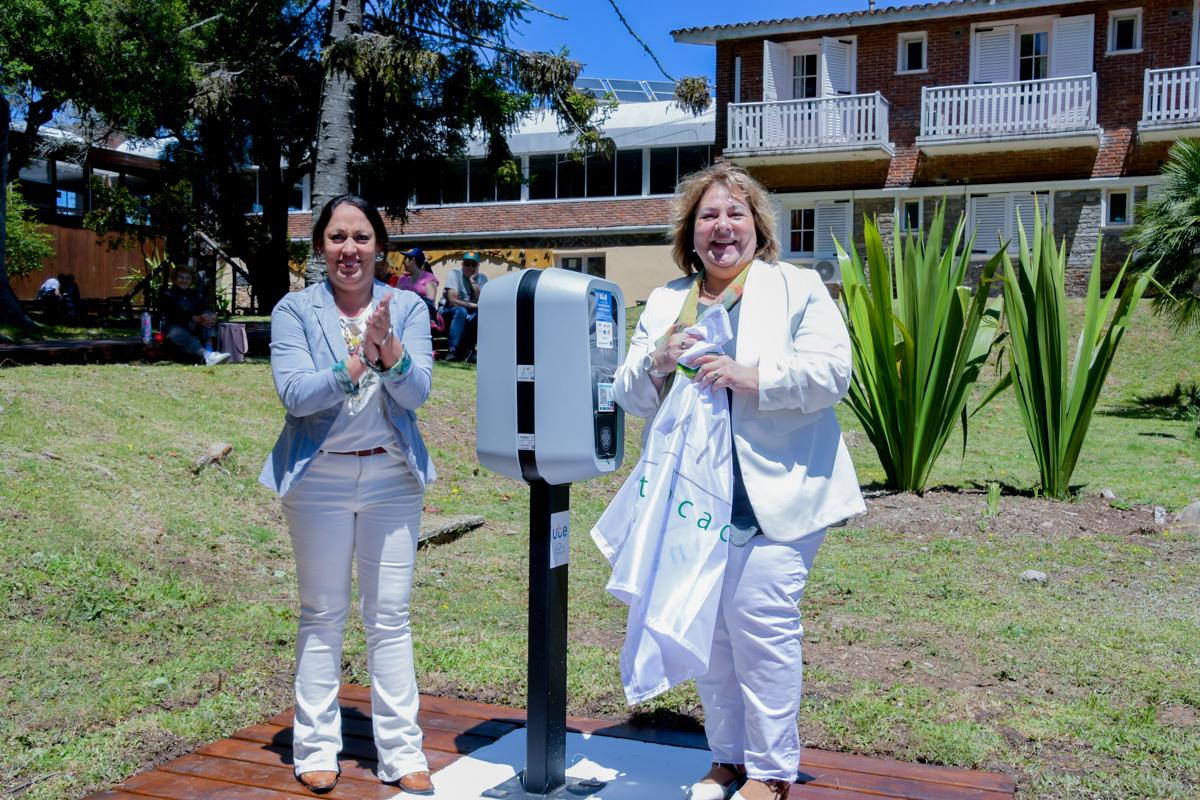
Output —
(603, 216)
(985, 105)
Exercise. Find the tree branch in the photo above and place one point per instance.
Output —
(638, 39)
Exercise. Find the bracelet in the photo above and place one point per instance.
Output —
(392, 373)
(342, 376)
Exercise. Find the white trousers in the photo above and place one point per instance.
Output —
(367, 509)
(751, 692)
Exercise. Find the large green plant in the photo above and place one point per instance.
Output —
(920, 338)
(29, 245)
(1056, 397)
(1167, 236)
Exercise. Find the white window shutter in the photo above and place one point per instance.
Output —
(836, 67)
(994, 55)
(777, 77)
(1071, 43)
(832, 220)
(989, 218)
(1023, 206)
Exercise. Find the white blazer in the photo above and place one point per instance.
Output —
(794, 462)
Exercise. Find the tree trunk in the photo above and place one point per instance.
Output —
(10, 308)
(270, 270)
(335, 124)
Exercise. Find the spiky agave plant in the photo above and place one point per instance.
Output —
(1057, 397)
(920, 338)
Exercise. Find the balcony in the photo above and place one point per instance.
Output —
(816, 129)
(1170, 104)
(973, 118)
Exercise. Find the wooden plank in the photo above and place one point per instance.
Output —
(801, 791)
(115, 795)
(888, 786)
(353, 746)
(356, 721)
(362, 768)
(277, 777)
(955, 776)
(188, 787)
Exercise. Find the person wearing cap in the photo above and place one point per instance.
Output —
(417, 277)
(462, 298)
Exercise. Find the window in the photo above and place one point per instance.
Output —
(1125, 31)
(571, 180)
(993, 218)
(1034, 59)
(910, 215)
(911, 55)
(588, 265)
(1119, 210)
(541, 177)
(804, 76)
(70, 187)
(629, 172)
(601, 175)
(669, 164)
(802, 230)
(812, 230)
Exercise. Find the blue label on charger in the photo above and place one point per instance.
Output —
(604, 306)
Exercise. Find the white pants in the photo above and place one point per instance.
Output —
(751, 692)
(366, 509)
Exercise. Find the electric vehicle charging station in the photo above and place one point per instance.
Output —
(549, 344)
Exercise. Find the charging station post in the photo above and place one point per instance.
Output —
(550, 342)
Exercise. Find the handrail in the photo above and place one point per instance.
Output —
(857, 120)
(1011, 108)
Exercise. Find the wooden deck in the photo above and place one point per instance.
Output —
(256, 762)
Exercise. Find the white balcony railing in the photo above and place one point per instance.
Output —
(1008, 110)
(1171, 97)
(857, 120)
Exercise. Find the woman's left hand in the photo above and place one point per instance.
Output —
(380, 344)
(722, 372)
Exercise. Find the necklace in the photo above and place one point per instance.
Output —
(704, 292)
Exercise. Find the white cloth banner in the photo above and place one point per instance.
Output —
(665, 532)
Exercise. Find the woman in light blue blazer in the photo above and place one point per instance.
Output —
(352, 359)
(787, 366)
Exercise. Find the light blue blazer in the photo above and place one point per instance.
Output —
(306, 341)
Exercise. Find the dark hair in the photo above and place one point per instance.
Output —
(365, 206)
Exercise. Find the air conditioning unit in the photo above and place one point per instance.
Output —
(829, 270)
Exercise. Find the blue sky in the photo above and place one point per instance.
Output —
(594, 35)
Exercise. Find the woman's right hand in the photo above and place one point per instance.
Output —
(666, 356)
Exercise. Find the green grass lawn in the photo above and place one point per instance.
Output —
(148, 609)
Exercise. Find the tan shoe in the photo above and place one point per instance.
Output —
(318, 781)
(719, 783)
(416, 783)
(763, 790)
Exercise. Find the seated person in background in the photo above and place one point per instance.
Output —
(417, 278)
(50, 297)
(462, 297)
(383, 271)
(70, 295)
(187, 323)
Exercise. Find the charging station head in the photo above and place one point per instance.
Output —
(550, 342)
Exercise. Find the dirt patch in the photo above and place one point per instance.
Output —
(950, 511)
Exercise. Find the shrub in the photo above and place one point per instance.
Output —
(920, 338)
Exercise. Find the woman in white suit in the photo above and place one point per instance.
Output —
(352, 359)
(788, 364)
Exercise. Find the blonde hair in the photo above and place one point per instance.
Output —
(687, 199)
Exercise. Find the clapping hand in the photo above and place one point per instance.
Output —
(380, 346)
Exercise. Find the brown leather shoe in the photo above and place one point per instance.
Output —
(416, 783)
(318, 781)
(757, 790)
